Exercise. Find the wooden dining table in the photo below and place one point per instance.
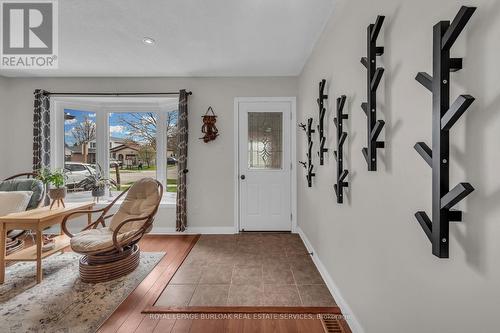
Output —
(37, 220)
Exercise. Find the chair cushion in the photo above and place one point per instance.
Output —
(33, 185)
(14, 202)
(95, 239)
(141, 200)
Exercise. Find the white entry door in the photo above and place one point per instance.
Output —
(264, 166)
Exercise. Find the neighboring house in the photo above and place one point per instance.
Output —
(172, 146)
(76, 153)
(120, 149)
(127, 153)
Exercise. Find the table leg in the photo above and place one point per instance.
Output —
(39, 242)
(3, 236)
(61, 233)
(89, 218)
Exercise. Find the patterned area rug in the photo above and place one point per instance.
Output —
(62, 302)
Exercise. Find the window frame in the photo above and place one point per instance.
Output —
(103, 109)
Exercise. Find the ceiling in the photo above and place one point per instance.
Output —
(193, 37)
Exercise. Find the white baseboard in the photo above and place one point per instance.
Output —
(334, 290)
(193, 230)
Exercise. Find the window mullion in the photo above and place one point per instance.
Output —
(102, 136)
(161, 148)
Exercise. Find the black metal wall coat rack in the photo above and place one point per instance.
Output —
(322, 111)
(308, 165)
(374, 75)
(443, 118)
(339, 155)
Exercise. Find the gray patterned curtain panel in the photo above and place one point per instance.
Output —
(41, 130)
(182, 152)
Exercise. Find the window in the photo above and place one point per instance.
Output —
(127, 138)
(134, 137)
(265, 140)
(79, 135)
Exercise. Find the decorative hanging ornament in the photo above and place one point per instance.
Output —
(208, 128)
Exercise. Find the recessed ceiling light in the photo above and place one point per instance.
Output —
(148, 41)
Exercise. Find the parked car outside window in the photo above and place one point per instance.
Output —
(76, 172)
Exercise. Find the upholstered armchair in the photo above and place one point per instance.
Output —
(22, 182)
(110, 252)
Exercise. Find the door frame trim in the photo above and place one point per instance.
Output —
(293, 156)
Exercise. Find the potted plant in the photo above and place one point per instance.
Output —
(97, 183)
(57, 190)
(54, 185)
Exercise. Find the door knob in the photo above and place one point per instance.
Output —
(242, 177)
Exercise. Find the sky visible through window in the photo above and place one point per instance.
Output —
(119, 124)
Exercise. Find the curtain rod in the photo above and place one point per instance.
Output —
(116, 94)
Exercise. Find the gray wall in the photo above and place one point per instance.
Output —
(3, 95)
(210, 178)
(372, 246)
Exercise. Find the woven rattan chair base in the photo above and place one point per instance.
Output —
(110, 266)
(14, 246)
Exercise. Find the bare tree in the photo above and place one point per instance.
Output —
(83, 133)
(142, 126)
(147, 154)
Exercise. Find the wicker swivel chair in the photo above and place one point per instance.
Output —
(112, 252)
(22, 182)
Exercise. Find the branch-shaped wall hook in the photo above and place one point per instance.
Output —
(321, 126)
(310, 175)
(444, 117)
(322, 150)
(322, 96)
(339, 153)
(309, 130)
(322, 111)
(308, 166)
(374, 75)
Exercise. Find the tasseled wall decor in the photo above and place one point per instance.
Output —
(209, 129)
(443, 118)
(308, 165)
(339, 154)
(374, 75)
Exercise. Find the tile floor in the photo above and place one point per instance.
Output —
(249, 269)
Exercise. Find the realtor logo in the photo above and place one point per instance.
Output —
(29, 34)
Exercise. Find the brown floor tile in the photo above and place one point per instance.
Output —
(225, 256)
(217, 274)
(315, 295)
(198, 258)
(300, 259)
(257, 269)
(245, 295)
(278, 273)
(250, 248)
(187, 274)
(210, 295)
(176, 295)
(281, 295)
(306, 273)
(247, 259)
(274, 259)
(248, 275)
(292, 250)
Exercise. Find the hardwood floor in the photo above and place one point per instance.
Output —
(128, 317)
